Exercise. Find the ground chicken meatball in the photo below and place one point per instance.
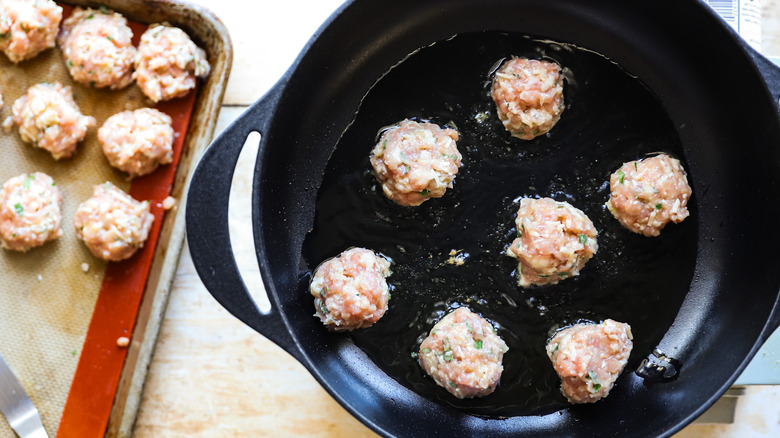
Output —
(646, 194)
(589, 358)
(554, 241)
(28, 27)
(168, 62)
(416, 161)
(529, 96)
(350, 291)
(112, 224)
(97, 48)
(463, 354)
(48, 118)
(137, 141)
(29, 211)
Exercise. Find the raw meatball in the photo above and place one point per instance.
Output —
(112, 224)
(646, 194)
(168, 62)
(554, 241)
(463, 354)
(589, 358)
(48, 118)
(28, 27)
(416, 161)
(137, 141)
(350, 291)
(29, 211)
(97, 48)
(529, 96)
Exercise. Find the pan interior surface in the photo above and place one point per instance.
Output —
(611, 117)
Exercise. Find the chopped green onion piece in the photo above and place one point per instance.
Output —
(635, 168)
(18, 208)
(28, 180)
(426, 350)
(478, 344)
(658, 206)
(425, 192)
(103, 9)
(621, 176)
(583, 239)
(595, 378)
(453, 384)
(449, 355)
(519, 233)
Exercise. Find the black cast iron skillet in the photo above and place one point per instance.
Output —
(666, 76)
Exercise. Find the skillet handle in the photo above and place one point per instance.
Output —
(207, 223)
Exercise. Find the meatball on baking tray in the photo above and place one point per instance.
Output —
(53, 281)
(450, 252)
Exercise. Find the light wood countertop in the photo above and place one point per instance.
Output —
(212, 376)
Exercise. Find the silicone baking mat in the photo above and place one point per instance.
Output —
(55, 316)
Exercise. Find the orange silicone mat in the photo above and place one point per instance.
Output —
(56, 318)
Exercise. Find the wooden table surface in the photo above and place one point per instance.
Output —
(212, 376)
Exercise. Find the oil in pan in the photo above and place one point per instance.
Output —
(450, 251)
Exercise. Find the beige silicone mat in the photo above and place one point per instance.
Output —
(46, 299)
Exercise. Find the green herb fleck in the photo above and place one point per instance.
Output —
(425, 192)
(448, 355)
(384, 145)
(621, 176)
(53, 183)
(426, 350)
(73, 353)
(636, 168)
(27, 180)
(91, 16)
(453, 384)
(557, 345)
(109, 37)
(564, 274)
(18, 208)
(583, 239)
(103, 9)
(24, 27)
(658, 206)
(596, 383)
(478, 344)
(70, 63)
(519, 233)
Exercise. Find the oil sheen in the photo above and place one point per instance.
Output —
(450, 252)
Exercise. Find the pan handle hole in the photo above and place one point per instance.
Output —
(240, 223)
